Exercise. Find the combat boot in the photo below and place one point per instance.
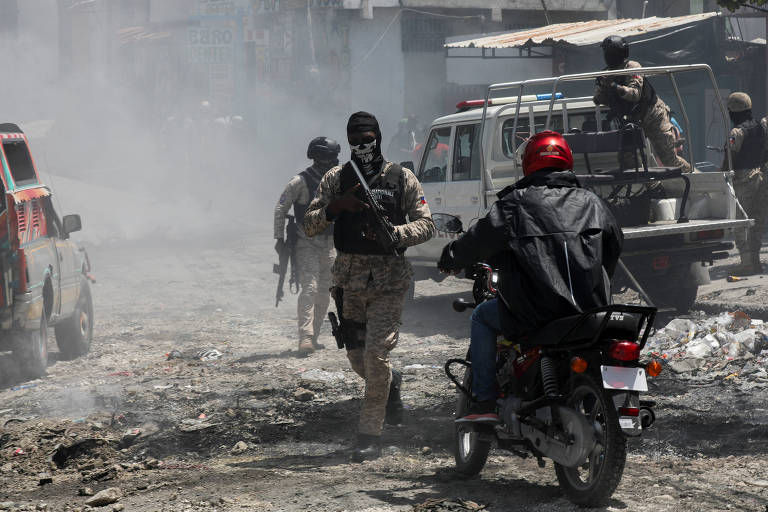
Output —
(394, 415)
(368, 448)
(305, 348)
(315, 344)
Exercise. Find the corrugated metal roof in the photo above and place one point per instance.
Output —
(582, 33)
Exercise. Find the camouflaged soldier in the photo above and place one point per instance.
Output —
(371, 283)
(633, 98)
(314, 256)
(749, 148)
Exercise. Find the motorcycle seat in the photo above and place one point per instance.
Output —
(625, 326)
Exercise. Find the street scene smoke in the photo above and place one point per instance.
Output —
(383, 255)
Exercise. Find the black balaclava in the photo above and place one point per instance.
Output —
(368, 157)
(739, 117)
(323, 166)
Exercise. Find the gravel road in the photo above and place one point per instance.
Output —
(258, 429)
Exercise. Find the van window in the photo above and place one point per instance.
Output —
(466, 160)
(434, 165)
(20, 162)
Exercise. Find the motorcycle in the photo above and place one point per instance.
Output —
(569, 392)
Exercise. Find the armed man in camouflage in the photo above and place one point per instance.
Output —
(748, 141)
(314, 256)
(631, 97)
(371, 283)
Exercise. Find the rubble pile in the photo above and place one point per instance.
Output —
(731, 346)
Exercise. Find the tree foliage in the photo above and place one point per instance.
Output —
(732, 5)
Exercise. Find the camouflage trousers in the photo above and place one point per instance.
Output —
(314, 258)
(658, 129)
(374, 293)
(751, 189)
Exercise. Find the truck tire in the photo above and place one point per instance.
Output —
(675, 293)
(74, 334)
(31, 350)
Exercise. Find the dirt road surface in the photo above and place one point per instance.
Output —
(260, 430)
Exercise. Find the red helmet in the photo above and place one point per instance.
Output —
(547, 150)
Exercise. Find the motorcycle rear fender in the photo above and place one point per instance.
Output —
(630, 425)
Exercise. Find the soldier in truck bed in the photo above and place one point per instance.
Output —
(631, 97)
(748, 142)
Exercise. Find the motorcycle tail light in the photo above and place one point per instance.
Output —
(624, 350)
(653, 368)
(629, 411)
(578, 365)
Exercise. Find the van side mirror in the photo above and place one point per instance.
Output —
(447, 223)
(408, 164)
(72, 223)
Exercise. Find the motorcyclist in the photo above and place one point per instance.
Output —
(556, 246)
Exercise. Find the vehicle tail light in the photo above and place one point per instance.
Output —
(653, 368)
(463, 105)
(629, 411)
(624, 350)
(661, 262)
(712, 234)
(578, 365)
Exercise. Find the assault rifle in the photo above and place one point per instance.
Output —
(376, 217)
(287, 254)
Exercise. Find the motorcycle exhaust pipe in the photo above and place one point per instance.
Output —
(647, 417)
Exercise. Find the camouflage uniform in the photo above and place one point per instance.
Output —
(654, 120)
(374, 290)
(751, 187)
(314, 257)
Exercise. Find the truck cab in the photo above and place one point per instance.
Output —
(43, 273)
(674, 224)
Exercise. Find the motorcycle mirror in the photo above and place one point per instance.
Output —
(447, 223)
(461, 305)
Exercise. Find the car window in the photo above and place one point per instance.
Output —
(434, 165)
(524, 129)
(466, 158)
(19, 161)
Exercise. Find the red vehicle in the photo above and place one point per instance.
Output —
(44, 276)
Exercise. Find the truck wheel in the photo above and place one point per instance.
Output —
(74, 334)
(673, 293)
(31, 349)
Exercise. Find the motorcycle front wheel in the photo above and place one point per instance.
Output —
(470, 447)
(594, 482)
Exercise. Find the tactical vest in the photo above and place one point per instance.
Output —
(311, 179)
(751, 154)
(349, 228)
(636, 111)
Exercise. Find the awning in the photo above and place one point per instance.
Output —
(583, 33)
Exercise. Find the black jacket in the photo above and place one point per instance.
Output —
(553, 241)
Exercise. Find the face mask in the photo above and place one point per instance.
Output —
(613, 60)
(367, 156)
(326, 165)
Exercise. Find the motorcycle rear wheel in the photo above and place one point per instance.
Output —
(470, 449)
(595, 481)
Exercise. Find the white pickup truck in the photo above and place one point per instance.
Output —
(674, 224)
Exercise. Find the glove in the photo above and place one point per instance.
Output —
(614, 87)
(279, 244)
(447, 263)
(346, 203)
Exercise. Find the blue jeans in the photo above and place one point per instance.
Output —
(486, 327)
